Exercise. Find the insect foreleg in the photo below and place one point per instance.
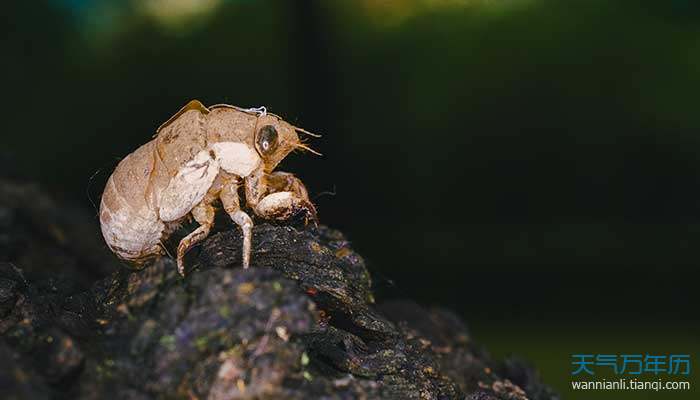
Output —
(297, 200)
(231, 203)
(203, 213)
(278, 196)
(279, 181)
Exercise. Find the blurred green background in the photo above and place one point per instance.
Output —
(533, 165)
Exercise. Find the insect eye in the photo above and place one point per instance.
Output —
(267, 139)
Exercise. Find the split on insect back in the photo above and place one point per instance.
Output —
(200, 156)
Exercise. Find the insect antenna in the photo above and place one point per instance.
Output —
(301, 130)
(307, 148)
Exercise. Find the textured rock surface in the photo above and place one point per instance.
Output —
(302, 323)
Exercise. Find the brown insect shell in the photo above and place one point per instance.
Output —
(130, 205)
(157, 185)
(129, 224)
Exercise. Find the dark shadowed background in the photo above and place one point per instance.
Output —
(538, 161)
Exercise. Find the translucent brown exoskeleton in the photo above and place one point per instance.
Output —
(198, 157)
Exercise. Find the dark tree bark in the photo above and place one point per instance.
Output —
(301, 323)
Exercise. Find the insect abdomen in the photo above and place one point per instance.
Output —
(128, 218)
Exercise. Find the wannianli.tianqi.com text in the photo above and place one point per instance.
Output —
(630, 384)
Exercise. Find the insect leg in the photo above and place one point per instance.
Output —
(289, 196)
(231, 203)
(279, 181)
(203, 213)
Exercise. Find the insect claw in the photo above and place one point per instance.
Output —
(181, 268)
(310, 213)
(315, 221)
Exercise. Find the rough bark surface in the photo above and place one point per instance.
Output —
(301, 323)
